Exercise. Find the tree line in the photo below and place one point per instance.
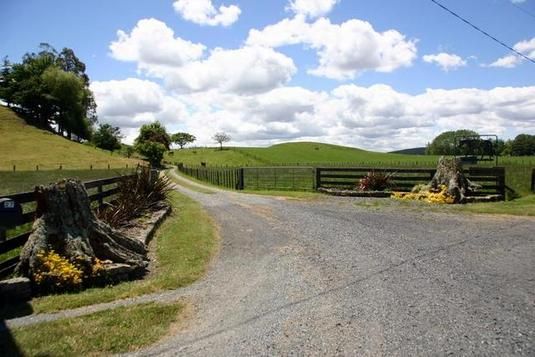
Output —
(447, 143)
(50, 90)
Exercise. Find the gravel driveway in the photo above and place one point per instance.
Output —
(330, 277)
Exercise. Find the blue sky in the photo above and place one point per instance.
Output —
(336, 71)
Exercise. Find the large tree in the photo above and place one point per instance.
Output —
(445, 144)
(50, 89)
(107, 137)
(182, 139)
(154, 132)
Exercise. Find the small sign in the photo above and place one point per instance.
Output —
(9, 204)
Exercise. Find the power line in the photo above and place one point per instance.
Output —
(482, 31)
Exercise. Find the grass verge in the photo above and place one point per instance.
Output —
(184, 245)
(524, 206)
(123, 329)
(179, 180)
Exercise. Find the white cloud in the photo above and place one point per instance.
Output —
(245, 70)
(518, 1)
(153, 44)
(526, 47)
(311, 8)
(446, 61)
(343, 50)
(376, 117)
(182, 66)
(203, 12)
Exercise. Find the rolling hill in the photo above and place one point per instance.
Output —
(26, 147)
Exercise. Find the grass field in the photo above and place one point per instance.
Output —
(518, 169)
(120, 330)
(26, 147)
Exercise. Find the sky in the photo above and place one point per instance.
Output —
(381, 75)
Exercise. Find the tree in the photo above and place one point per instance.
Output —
(444, 144)
(182, 139)
(221, 138)
(152, 151)
(152, 142)
(154, 132)
(523, 145)
(50, 88)
(107, 137)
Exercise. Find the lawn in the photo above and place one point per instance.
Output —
(124, 329)
(26, 147)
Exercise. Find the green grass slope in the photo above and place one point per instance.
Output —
(301, 153)
(25, 147)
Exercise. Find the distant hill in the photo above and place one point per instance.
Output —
(413, 151)
(26, 146)
(300, 153)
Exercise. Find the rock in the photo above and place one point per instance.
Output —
(117, 272)
(16, 289)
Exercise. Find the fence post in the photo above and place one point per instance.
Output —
(500, 180)
(100, 198)
(533, 181)
(317, 181)
(241, 184)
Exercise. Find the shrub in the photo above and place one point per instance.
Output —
(431, 196)
(138, 194)
(153, 151)
(375, 181)
(56, 273)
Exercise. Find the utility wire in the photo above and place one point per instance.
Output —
(482, 31)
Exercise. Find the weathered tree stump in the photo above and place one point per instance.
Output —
(450, 173)
(67, 225)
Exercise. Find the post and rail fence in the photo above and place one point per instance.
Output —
(491, 179)
(98, 191)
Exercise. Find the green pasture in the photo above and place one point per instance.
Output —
(296, 156)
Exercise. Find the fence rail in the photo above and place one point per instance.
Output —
(225, 177)
(491, 179)
(28, 199)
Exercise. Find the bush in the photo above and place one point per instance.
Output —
(427, 195)
(153, 151)
(56, 273)
(375, 181)
(137, 195)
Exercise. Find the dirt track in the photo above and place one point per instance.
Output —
(328, 277)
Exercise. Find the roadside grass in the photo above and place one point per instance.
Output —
(179, 179)
(182, 179)
(124, 329)
(524, 206)
(184, 245)
(22, 181)
(26, 146)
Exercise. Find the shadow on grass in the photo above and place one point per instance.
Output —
(11, 310)
(8, 344)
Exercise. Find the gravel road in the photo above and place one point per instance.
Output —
(330, 277)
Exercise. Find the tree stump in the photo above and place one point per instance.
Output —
(67, 225)
(450, 173)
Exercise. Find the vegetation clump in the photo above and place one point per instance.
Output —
(56, 273)
(138, 194)
(376, 181)
(427, 194)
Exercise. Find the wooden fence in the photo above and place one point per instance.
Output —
(99, 190)
(491, 179)
(220, 176)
